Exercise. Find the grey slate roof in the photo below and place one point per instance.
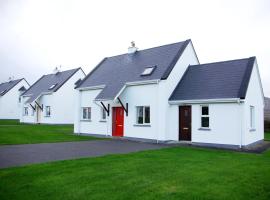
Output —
(220, 80)
(114, 72)
(7, 86)
(43, 84)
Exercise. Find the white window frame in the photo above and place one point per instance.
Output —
(202, 115)
(88, 114)
(48, 114)
(252, 117)
(25, 111)
(137, 115)
(102, 112)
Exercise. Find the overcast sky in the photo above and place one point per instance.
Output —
(36, 36)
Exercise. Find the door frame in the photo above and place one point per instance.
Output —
(179, 122)
(113, 121)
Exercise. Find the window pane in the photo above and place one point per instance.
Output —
(84, 113)
(89, 113)
(252, 117)
(147, 115)
(103, 114)
(140, 115)
(205, 122)
(205, 110)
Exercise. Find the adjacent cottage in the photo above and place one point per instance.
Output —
(164, 94)
(50, 100)
(10, 98)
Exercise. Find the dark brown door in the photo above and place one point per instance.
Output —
(185, 123)
(118, 122)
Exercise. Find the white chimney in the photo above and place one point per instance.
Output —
(132, 48)
(57, 69)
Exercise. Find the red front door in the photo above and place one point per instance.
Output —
(118, 122)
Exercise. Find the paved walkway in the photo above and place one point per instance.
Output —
(18, 155)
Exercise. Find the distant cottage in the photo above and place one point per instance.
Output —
(10, 92)
(165, 94)
(50, 100)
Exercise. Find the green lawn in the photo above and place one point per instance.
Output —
(11, 132)
(173, 173)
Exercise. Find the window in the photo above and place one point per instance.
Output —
(252, 117)
(48, 111)
(52, 86)
(143, 115)
(103, 114)
(25, 111)
(148, 71)
(204, 116)
(86, 113)
(20, 99)
(33, 112)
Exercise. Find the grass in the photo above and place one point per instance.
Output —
(173, 173)
(11, 132)
(9, 122)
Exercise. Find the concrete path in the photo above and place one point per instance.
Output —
(18, 155)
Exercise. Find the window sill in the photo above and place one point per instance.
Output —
(204, 129)
(47, 116)
(85, 120)
(103, 121)
(143, 125)
(252, 130)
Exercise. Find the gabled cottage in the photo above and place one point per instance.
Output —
(10, 98)
(50, 99)
(164, 94)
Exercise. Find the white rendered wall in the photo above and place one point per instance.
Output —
(166, 87)
(26, 118)
(93, 126)
(254, 97)
(9, 103)
(142, 95)
(225, 124)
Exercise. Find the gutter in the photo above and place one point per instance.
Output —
(229, 100)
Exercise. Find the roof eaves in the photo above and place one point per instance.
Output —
(85, 78)
(245, 82)
(174, 61)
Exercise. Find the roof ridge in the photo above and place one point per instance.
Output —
(150, 48)
(218, 62)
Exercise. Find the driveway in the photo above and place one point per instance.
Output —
(18, 155)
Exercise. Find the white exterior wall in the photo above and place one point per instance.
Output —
(168, 113)
(224, 122)
(93, 126)
(9, 103)
(254, 97)
(141, 95)
(62, 103)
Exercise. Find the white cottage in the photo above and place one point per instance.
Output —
(50, 100)
(10, 98)
(164, 94)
